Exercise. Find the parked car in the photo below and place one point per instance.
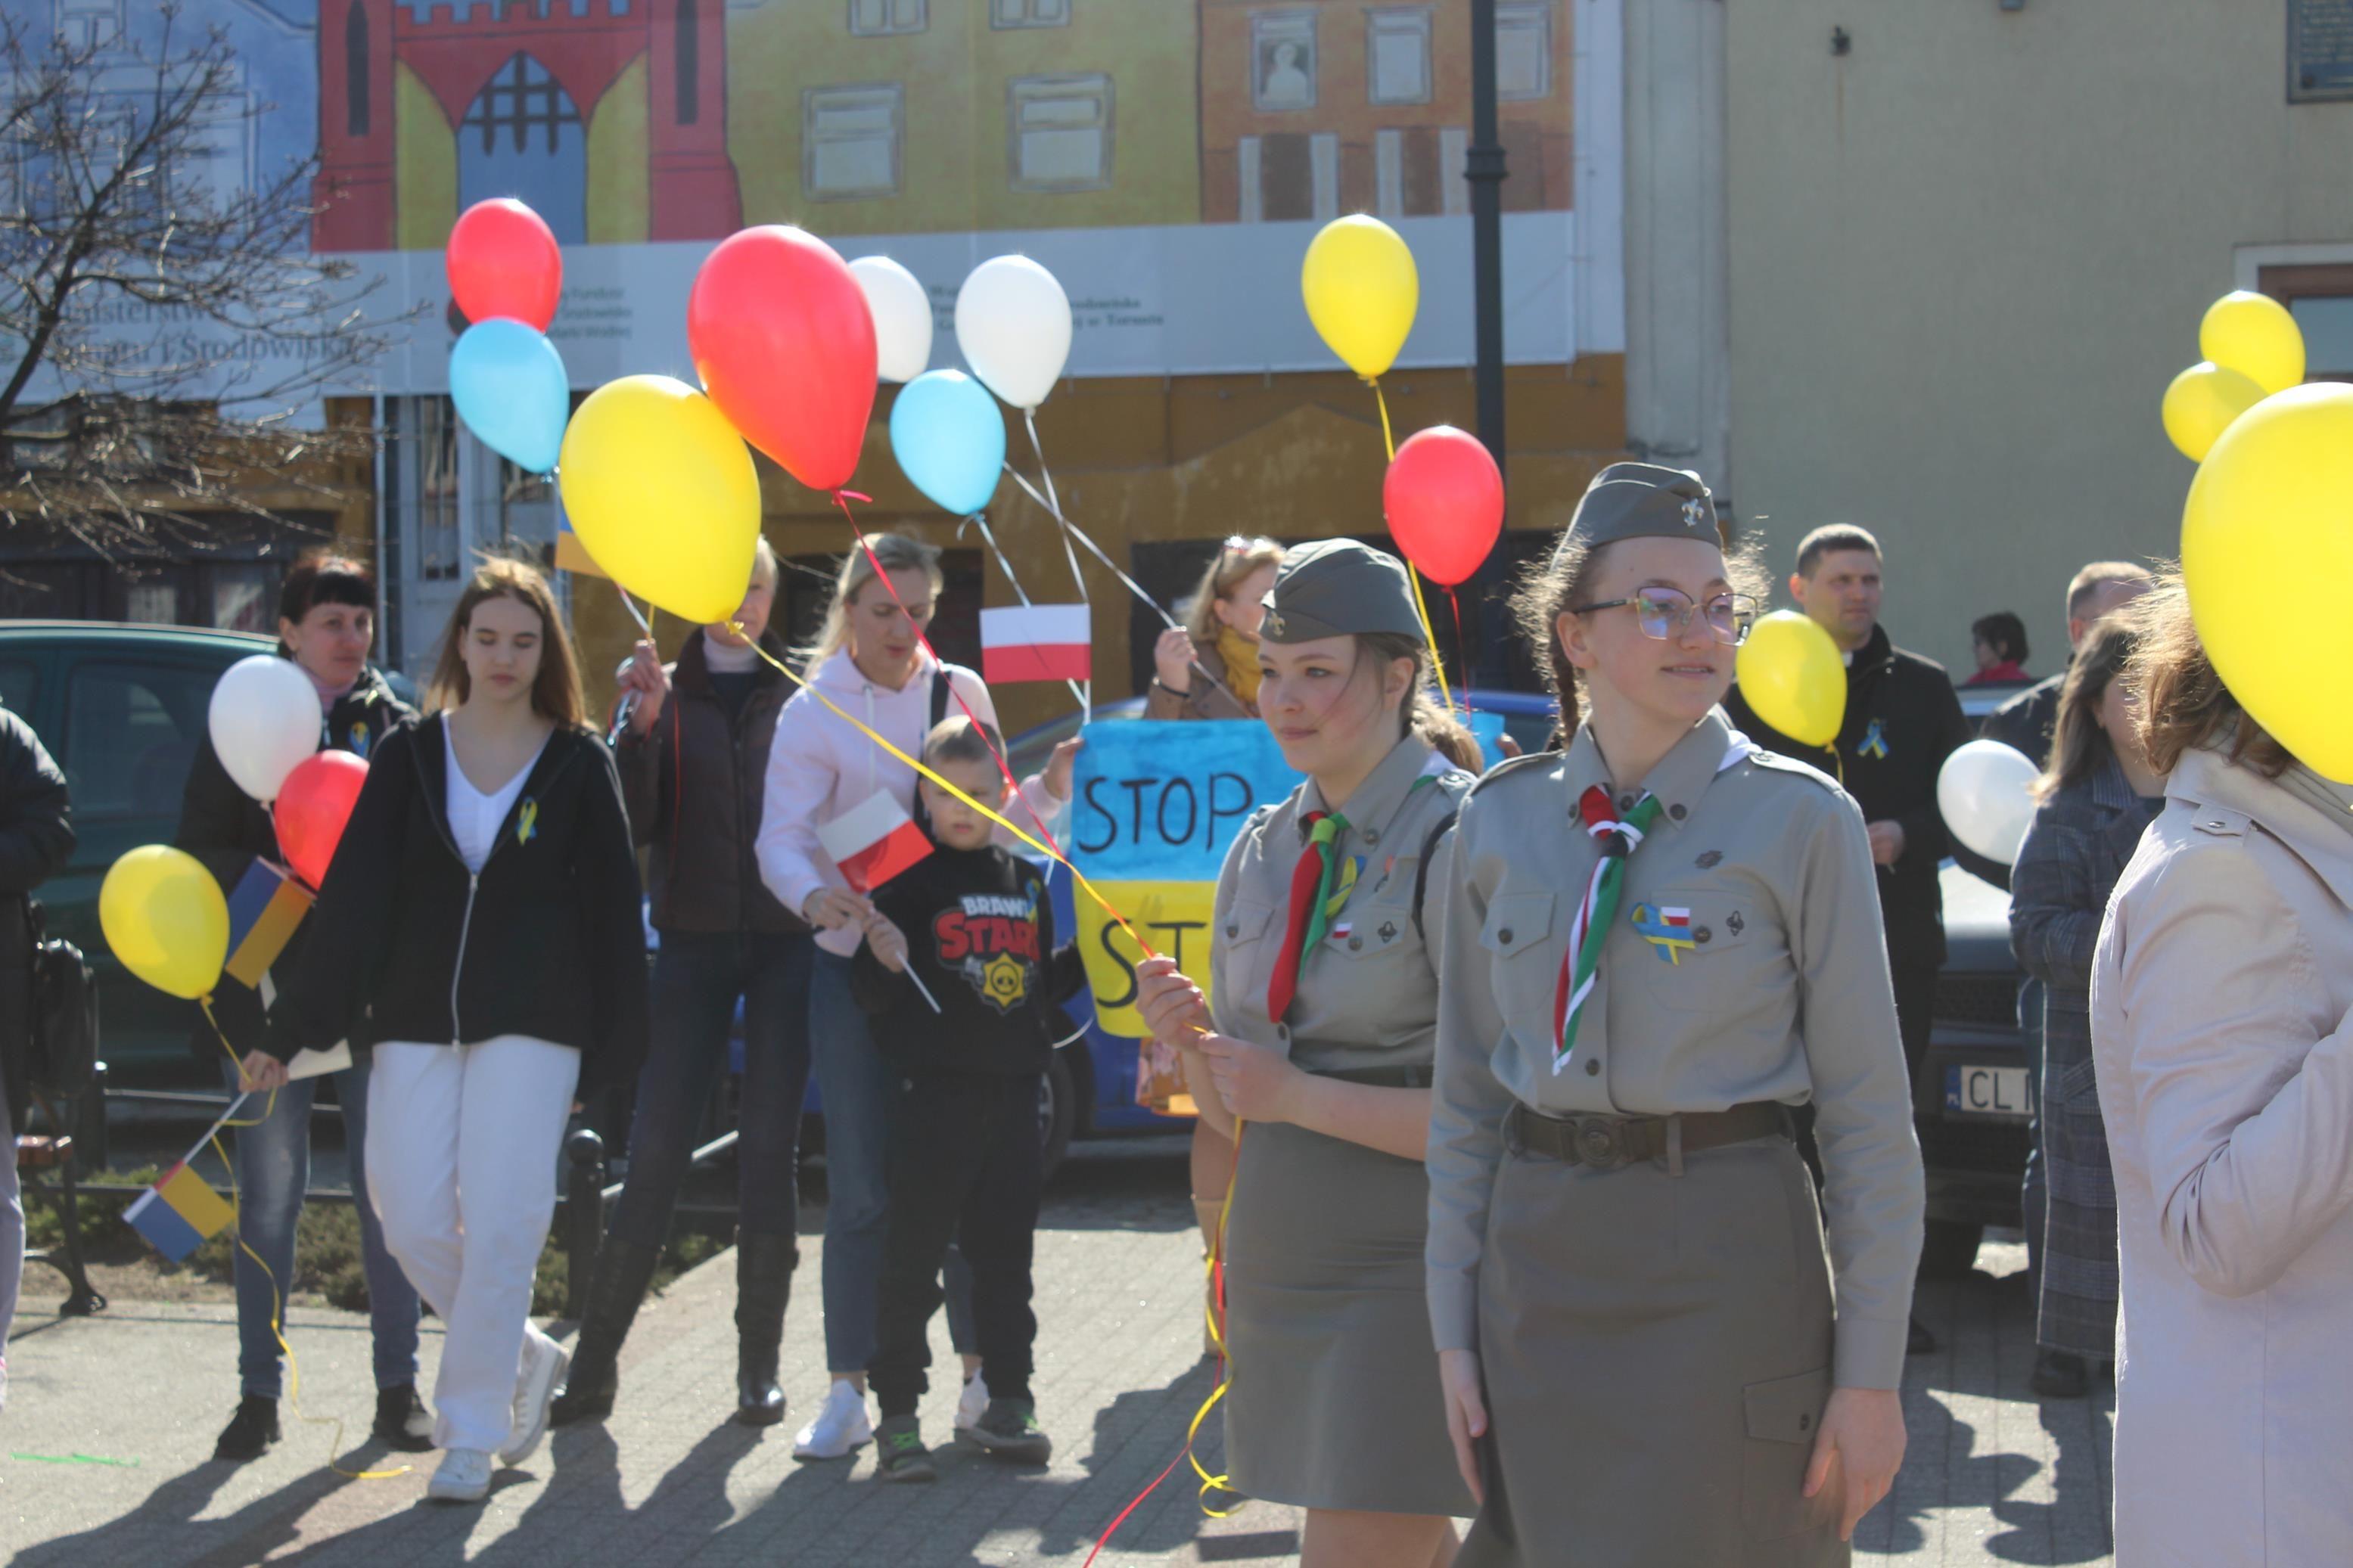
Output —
(1970, 1101)
(120, 707)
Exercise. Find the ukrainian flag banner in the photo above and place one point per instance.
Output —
(180, 1212)
(262, 914)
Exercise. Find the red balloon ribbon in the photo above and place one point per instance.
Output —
(784, 341)
(1444, 498)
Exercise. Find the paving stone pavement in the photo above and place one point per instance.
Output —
(1992, 1476)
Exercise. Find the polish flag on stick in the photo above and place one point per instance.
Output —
(873, 842)
(1035, 642)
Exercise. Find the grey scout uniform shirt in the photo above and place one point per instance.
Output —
(1783, 995)
(1367, 996)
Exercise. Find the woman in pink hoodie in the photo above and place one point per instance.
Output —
(870, 661)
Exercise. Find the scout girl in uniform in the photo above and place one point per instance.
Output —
(1326, 990)
(1657, 942)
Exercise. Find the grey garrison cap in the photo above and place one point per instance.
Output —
(1643, 500)
(1338, 588)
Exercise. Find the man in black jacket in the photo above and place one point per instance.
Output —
(37, 838)
(1902, 722)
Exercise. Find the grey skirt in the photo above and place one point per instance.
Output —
(1335, 1401)
(1656, 1352)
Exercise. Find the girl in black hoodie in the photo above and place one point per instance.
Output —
(481, 929)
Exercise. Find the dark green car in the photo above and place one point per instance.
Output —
(121, 708)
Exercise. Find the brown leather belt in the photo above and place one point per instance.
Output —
(1612, 1143)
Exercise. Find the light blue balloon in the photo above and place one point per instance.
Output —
(949, 438)
(509, 385)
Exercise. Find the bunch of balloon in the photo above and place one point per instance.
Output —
(903, 317)
(506, 274)
(1793, 678)
(2254, 349)
(1013, 328)
(1443, 496)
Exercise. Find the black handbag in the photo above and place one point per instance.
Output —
(64, 1012)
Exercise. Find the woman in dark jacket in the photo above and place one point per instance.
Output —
(37, 838)
(480, 928)
(326, 625)
(2098, 797)
(694, 765)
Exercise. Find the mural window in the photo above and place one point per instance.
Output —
(881, 18)
(1062, 128)
(1283, 61)
(1028, 13)
(1524, 51)
(1397, 54)
(523, 136)
(688, 55)
(1408, 175)
(355, 69)
(850, 141)
(90, 24)
(1290, 177)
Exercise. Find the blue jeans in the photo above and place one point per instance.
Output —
(273, 1170)
(697, 978)
(861, 1092)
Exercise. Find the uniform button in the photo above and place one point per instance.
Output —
(1504, 936)
(1372, 836)
(1234, 929)
(1593, 1067)
(1625, 803)
(1355, 944)
(1703, 934)
(1677, 811)
(1283, 1032)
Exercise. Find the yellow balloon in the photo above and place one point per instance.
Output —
(1361, 290)
(165, 919)
(2270, 516)
(662, 493)
(2254, 335)
(2202, 402)
(1793, 679)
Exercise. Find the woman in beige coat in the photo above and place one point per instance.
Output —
(2219, 994)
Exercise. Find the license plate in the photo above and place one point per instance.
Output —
(1986, 1091)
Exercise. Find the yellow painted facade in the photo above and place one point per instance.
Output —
(425, 170)
(617, 197)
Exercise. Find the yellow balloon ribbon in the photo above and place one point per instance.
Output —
(2271, 513)
(1362, 289)
(2202, 402)
(1793, 679)
(2253, 334)
(662, 491)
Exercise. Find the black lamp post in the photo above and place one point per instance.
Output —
(1484, 169)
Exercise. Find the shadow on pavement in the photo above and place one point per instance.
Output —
(169, 1513)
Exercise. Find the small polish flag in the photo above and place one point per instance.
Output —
(873, 842)
(1035, 642)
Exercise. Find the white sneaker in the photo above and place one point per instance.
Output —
(972, 1405)
(464, 1477)
(545, 1364)
(840, 1429)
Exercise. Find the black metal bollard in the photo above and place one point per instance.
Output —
(584, 1216)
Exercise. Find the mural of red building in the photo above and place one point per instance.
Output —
(519, 80)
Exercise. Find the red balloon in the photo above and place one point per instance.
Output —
(1444, 498)
(504, 260)
(784, 341)
(313, 804)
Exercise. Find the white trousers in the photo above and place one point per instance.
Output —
(461, 1149)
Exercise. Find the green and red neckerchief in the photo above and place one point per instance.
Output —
(1319, 887)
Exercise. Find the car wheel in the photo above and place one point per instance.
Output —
(1950, 1250)
(1057, 1111)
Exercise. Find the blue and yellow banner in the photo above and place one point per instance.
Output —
(262, 915)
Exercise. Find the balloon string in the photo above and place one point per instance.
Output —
(1837, 764)
(1388, 440)
(634, 614)
(1171, 622)
(1437, 664)
(1054, 505)
(980, 521)
(1461, 656)
(995, 753)
(277, 1297)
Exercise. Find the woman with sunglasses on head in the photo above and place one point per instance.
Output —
(1658, 942)
(1324, 986)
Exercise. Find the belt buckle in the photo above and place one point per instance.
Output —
(1599, 1142)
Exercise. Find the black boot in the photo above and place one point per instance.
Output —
(250, 1431)
(624, 1269)
(763, 1283)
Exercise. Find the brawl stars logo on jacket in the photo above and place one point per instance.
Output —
(990, 939)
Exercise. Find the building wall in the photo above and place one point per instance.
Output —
(1968, 256)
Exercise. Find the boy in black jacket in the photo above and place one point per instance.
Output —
(975, 927)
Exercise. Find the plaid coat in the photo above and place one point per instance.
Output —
(2081, 840)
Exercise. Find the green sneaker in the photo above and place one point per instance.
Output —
(901, 1453)
(1009, 1430)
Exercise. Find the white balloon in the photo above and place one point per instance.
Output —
(1013, 325)
(264, 718)
(903, 317)
(1984, 791)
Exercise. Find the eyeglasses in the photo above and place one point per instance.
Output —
(1664, 613)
